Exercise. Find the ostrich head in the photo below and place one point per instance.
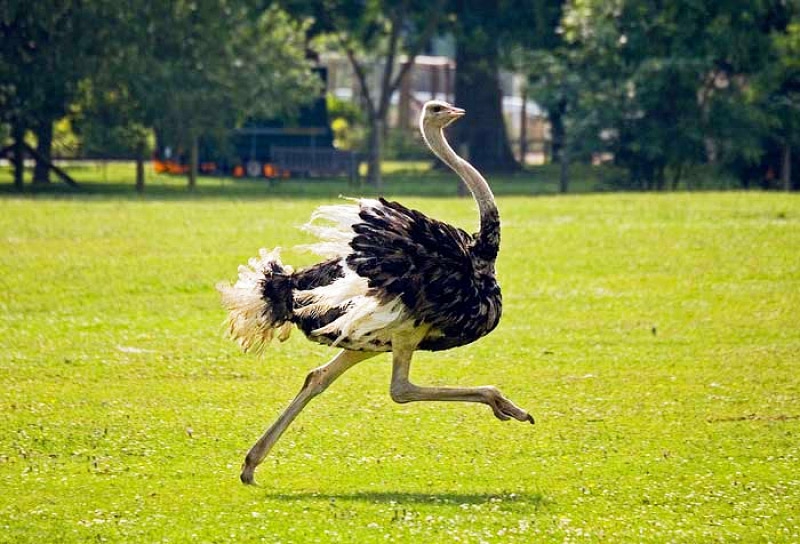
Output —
(439, 114)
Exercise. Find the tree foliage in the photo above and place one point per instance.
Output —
(659, 86)
(374, 35)
(478, 25)
(200, 69)
(674, 80)
(182, 68)
(46, 49)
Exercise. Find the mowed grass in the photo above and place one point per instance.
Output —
(655, 338)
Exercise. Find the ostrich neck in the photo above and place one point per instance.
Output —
(488, 240)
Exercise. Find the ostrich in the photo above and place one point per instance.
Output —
(393, 280)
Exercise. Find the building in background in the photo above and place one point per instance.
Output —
(273, 148)
(433, 77)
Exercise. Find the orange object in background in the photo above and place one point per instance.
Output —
(176, 168)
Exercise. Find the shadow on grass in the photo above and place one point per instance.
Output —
(536, 500)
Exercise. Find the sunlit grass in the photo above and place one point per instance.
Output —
(653, 337)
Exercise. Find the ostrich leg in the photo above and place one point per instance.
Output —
(316, 382)
(402, 390)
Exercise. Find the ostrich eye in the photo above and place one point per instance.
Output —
(436, 109)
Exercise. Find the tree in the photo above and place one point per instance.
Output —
(556, 83)
(553, 77)
(110, 124)
(374, 35)
(207, 67)
(488, 34)
(183, 68)
(777, 92)
(677, 77)
(477, 86)
(46, 48)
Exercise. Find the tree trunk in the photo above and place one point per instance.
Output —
(563, 177)
(659, 178)
(560, 149)
(676, 177)
(193, 160)
(376, 129)
(404, 104)
(557, 130)
(140, 168)
(523, 129)
(18, 132)
(44, 146)
(378, 105)
(478, 91)
(786, 167)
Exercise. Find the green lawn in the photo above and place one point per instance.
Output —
(655, 338)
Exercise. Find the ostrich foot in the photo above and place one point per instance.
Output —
(504, 409)
(248, 476)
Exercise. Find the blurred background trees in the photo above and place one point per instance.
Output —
(673, 85)
(373, 35)
(658, 89)
(127, 72)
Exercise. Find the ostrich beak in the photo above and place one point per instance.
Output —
(454, 114)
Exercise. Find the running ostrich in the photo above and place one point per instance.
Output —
(393, 280)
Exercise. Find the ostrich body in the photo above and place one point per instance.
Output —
(393, 280)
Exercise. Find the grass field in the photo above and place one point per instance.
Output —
(655, 338)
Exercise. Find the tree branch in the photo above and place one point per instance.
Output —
(413, 51)
(388, 67)
(360, 75)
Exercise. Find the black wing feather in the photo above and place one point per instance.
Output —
(432, 266)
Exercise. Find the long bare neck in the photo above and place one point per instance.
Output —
(488, 241)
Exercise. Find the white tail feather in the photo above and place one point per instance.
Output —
(364, 313)
(336, 235)
(249, 319)
(339, 293)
